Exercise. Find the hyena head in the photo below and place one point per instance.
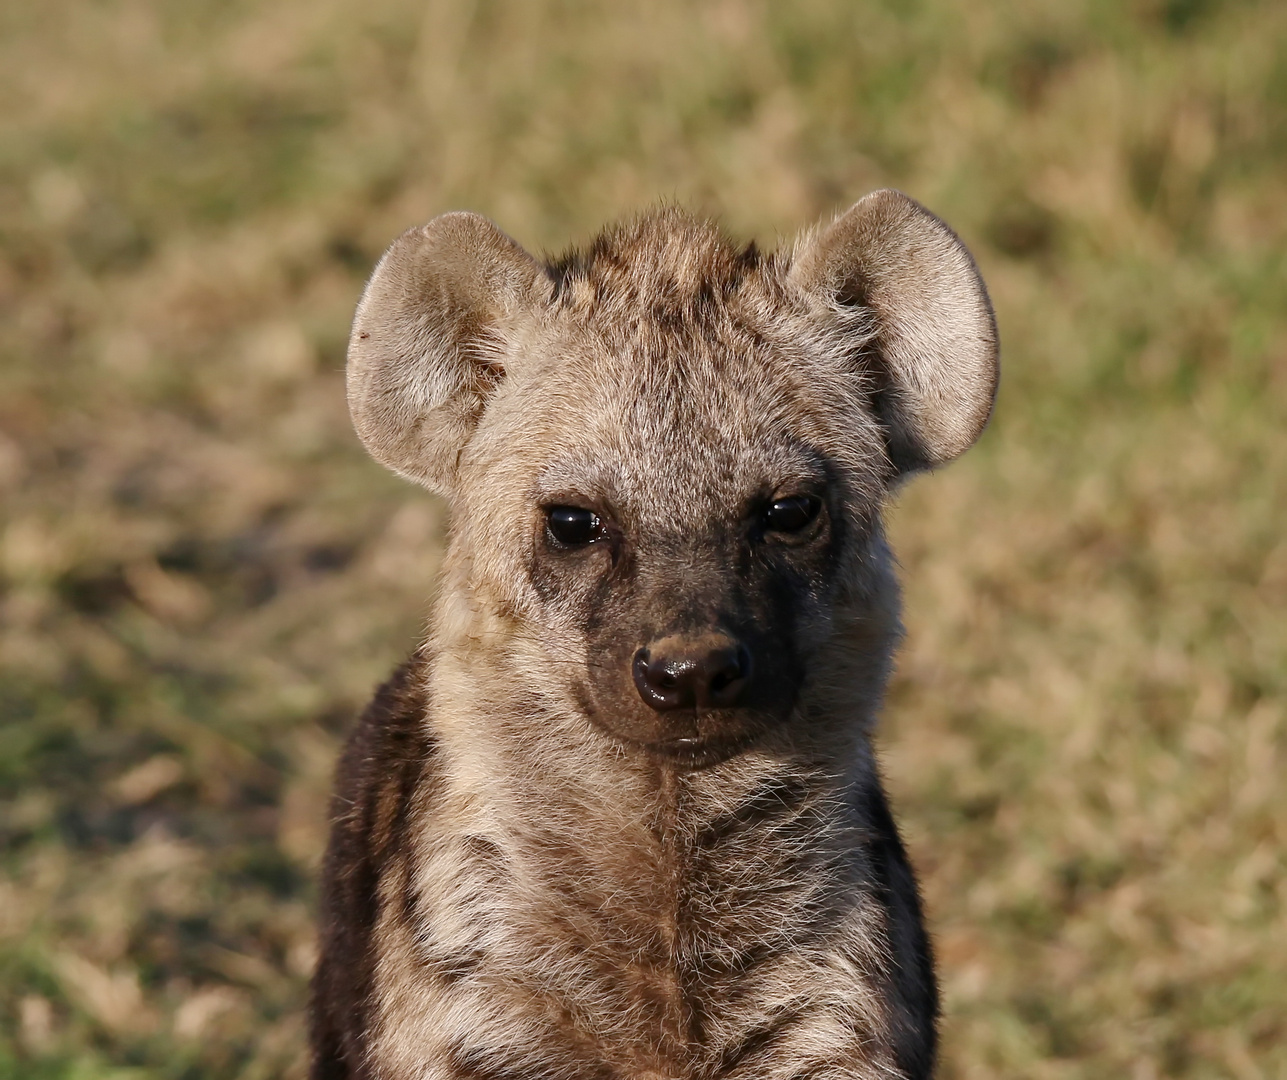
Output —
(666, 455)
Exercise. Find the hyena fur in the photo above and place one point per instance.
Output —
(620, 816)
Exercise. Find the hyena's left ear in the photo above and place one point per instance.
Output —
(934, 354)
(425, 352)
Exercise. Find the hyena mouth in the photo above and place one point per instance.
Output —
(686, 737)
(701, 753)
(702, 739)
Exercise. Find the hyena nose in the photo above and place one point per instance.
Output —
(708, 672)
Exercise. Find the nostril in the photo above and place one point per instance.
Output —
(729, 669)
(689, 673)
(665, 681)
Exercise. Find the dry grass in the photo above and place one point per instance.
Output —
(201, 576)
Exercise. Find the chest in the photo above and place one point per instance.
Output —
(702, 949)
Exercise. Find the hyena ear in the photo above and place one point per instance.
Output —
(426, 347)
(934, 354)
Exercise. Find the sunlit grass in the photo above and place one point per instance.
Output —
(201, 576)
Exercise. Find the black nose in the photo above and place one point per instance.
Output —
(707, 672)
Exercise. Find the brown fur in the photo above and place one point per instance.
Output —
(532, 872)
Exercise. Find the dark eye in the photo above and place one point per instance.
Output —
(574, 526)
(793, 514)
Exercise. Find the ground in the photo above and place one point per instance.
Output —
(202, 576)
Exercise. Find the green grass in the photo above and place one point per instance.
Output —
(201, 576)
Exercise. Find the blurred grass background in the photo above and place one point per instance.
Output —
(201, 576)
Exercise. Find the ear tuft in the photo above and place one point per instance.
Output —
(935, 354)
(425, 351)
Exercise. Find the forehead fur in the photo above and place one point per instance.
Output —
(674, 374)
(663, 265)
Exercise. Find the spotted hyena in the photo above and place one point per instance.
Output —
(620, 817)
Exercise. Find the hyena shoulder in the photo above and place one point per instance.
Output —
(387, 760)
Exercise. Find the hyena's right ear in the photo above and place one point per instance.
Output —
(425, 351)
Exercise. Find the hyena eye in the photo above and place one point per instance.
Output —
(793, 514)
(574, 526)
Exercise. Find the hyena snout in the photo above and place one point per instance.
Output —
(708, 671)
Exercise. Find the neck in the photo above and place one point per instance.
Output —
(610, 876)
